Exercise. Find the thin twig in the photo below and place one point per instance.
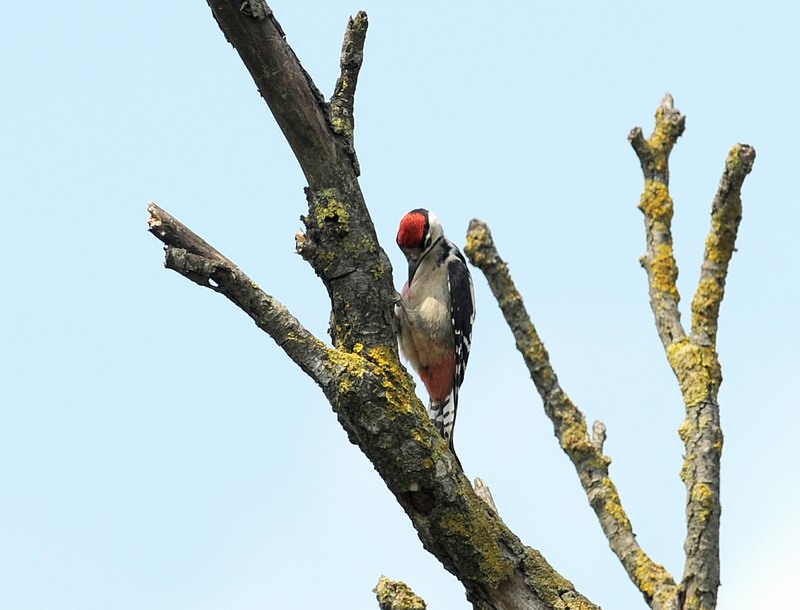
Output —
(343, 101)
(656, 205)
(484, 493)
(726, 213)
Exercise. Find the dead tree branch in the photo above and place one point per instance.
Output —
(656, 204)
(569, 424)
(361, 376)
(693, 359)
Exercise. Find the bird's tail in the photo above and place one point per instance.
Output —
(443, 415)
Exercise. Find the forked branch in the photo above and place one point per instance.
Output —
(693, 359)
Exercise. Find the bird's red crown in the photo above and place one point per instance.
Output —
(413, 228)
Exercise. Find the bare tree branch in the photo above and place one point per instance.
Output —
(192, 257)
(693, 359)
(656, 204)
(655, 583)
(396, 595)
(343, 100)
(726, 213)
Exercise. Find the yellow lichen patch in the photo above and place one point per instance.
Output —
(687, 467)
(666, 596)
(722, 237)
(509, 297)
(706, 301)
(383, 363)
(345, 384)
(342, 125)
(535, 354)
(685, 430)
(396, 594)
(697, 369)
(664, 271)
(347, 367)
(733, 161)
(655, 201)
(714, 249)
(574, 436)
(665, 134)
(477, 238)
(613, 505)
(326, 209)
(395, 381)
(651, 578)
(643, 574)
(704, 496)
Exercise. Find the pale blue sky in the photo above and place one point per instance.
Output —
(157, 451)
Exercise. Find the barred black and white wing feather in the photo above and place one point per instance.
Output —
(462, 316)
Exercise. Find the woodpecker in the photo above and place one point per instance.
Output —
(435, 313)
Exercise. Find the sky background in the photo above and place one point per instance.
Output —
(157, 451)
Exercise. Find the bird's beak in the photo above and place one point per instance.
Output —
(413, 263)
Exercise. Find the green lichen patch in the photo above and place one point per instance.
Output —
(378, 270)
(555, 590)
(328, 212)
(536, 357)
(480, 539)
(361, 245)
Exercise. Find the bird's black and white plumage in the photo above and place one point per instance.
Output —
(436, 312)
